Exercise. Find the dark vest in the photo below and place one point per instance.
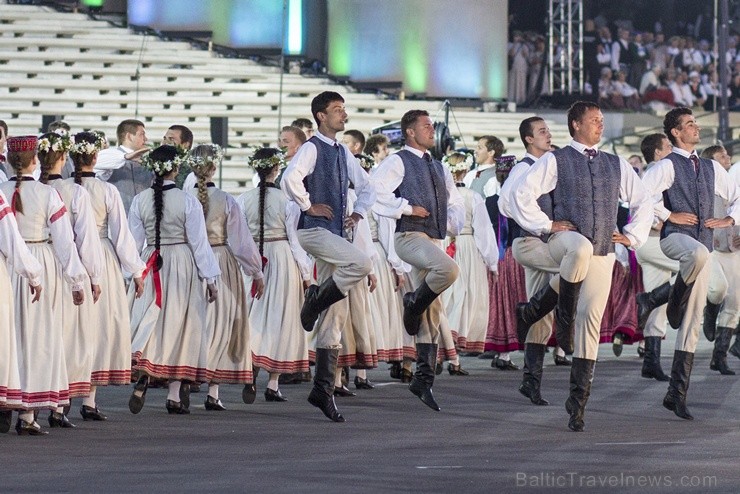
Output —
(545, 203)
(328, 184)
(690, 193)
(481, 180)
(587, 195)
(423, 185)
(130, 180)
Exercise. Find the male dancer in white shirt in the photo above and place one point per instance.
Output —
(585, 185)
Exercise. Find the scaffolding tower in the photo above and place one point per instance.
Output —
(565, 56)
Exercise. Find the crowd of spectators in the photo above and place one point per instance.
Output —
(632, 70)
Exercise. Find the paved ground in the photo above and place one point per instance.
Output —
(487, 438)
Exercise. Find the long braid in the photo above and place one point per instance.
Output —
(203, 193)
(263, 192)
(47, 160)
(15, 162)
(158, 208)
(78, 171)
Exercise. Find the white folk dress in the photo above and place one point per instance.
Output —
(279, 343)
(111, 321)
(476, 253)
(15, 254)
(228, 332)
(50, 239)
(79, 335)
(167, 340)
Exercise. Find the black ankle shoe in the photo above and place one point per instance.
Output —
(176, 408)
(136, 402)
(90, 413)
(58, 419)
(214, 404)
(343, 391)
(249, 393)
(271, 395)
(363, 383)
(457, 370)
(24, 428)
(561, 360)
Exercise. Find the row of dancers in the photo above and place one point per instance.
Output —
(381, 246)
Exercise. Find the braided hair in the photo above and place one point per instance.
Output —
(263, 172)
(19, 160)
(204, 159)
(48, 157)
(160, 154)
(80, 158)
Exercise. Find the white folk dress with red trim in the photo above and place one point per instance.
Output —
(50, 239)
(112, 322)
(15, 253)
(168, 321)
(79, 335)
(279, 343)
(228, 330)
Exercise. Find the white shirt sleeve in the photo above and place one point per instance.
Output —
(302, 164)
(484, 235)
(195, 229)
(364, 187)
(14, 249)
(135, 225)
(541, 178)
(109, 160)
(63, 242)
(507, 190)
(657, 179)
(240, 240)
(387, 177)
(86, 235)
(455, 205)
(120, 235)
(492, 187)
(190, 182)
(728, 189)
(632, 190)
(386, 230)
(292, 215)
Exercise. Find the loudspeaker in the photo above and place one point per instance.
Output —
(47, 119)
(220, 131)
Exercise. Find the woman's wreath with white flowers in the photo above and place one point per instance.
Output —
(165, 167)
(58, 141)
(462, 166)
(267, 163)
(366, 162)
(84, 147)
(215, 159)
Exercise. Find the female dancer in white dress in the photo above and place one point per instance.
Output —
(40, 214)
(279, 343)
(168, 321)
(77, 333)
(227, 334)
(110, 322)
(476, 252)
(14, 253)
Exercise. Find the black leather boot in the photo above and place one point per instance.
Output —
(581, 376)
(711, 311)
(647, 302)
(414, 305)
(534, 355)
(651, 368)
(678, 299)
(675, 399)
(530, 312)
(565, 315)
(318, 299)
(719, 355)
(421, 384)
(322, 394)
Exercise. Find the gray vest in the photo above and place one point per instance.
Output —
(587, 195)
(328, 184)
(423, 185)
(482, 179)
(690, 193)
(131, 179)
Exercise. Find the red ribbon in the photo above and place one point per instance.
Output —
(14, 200)
(451, 249)
(151, 265)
